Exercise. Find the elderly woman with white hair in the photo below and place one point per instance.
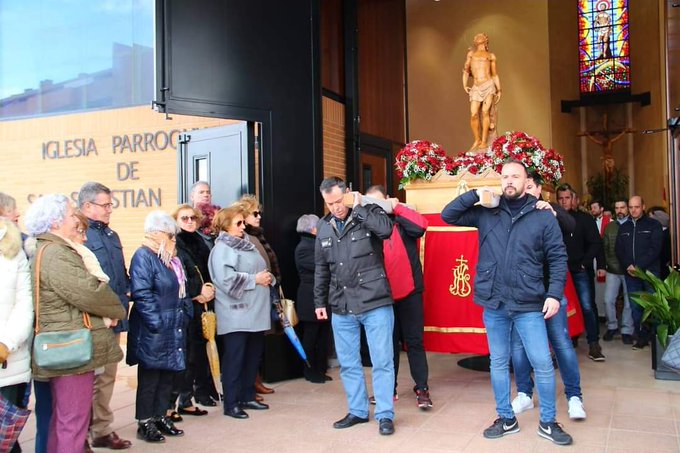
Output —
(65, 291)
(158, 320)
(315, 333)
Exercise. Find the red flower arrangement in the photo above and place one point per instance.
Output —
(547, 163)
(420, 159)
(208, 210)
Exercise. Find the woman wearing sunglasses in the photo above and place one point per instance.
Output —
(253, 218)
(242, 306)
(193, 252)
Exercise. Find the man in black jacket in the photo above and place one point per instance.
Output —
(638, 244)
(584, 245)
(349, 277)
(405, 274)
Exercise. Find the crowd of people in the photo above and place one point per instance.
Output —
(359, 274)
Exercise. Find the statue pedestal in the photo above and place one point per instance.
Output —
(430, 197)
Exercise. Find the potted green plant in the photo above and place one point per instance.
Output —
(662, 308)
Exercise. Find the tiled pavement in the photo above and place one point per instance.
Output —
(628, 411)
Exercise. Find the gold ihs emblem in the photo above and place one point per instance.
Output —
(461, 279)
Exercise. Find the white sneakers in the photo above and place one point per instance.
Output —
(576, 411)
(522, 403)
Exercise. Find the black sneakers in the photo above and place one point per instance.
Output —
(501, 427)
(609, 334)
(553, 431)
(595, 352)
(423, 398)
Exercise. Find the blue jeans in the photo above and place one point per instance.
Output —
(611, 292)
(633, 285)
(43, 414)
(558, 335)
(531, 329)
(585, 297)
(378, 324)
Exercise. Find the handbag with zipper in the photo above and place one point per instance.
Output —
(61, 350)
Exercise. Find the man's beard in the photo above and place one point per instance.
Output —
(514, 196)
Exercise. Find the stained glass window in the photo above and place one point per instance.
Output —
(603, 46)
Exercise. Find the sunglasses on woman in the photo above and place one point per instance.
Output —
(186, 218)
(257, 214)
(240, 222)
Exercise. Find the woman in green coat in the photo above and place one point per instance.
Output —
(66, 290)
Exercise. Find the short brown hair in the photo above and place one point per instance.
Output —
(225, 216)
(197, 213)
(83, 221)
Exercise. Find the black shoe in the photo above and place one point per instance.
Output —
(197, 411)
(206, 401)
(595, 353)
(255, 405)
(236, 412)
(609, 334)
(314, 376)
(553, 431)
(386, 426)
(327, 377)
(501, 427)
(627, 339)
(348, 421)
(640, 345)
(167, 427)
(148, 432)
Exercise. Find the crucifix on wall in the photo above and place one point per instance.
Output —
(606, 139)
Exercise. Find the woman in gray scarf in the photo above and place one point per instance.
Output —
(242, 305)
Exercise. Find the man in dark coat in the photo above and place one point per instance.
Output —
(583, 246)
(95, 201)
(515, 241)
(638, 244)
(405, 274)
(350, 278)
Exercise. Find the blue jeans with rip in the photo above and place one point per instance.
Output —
(558, 336)
(531, 330)
(585, 297)
(378, 324)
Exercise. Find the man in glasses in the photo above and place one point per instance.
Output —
(94, 200)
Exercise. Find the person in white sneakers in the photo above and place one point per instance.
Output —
(558, 336)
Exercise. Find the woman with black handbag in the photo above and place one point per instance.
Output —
(68, 299)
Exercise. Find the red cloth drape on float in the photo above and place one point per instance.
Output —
(453, 322)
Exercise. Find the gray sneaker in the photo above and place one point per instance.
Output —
(502, 426)
(553, 431)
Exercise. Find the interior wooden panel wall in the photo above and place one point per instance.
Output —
(332, 46)
(382, 43)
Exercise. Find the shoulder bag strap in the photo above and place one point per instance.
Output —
(38, 263)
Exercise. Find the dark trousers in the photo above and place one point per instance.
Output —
(239, 360)
(43, 414)
(642, 330)
(408, 326)
(153, 392)
(196, 379)
(315, 341)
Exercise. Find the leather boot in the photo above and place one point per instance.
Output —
(167, 427)
(260, 387)
(149, 432)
